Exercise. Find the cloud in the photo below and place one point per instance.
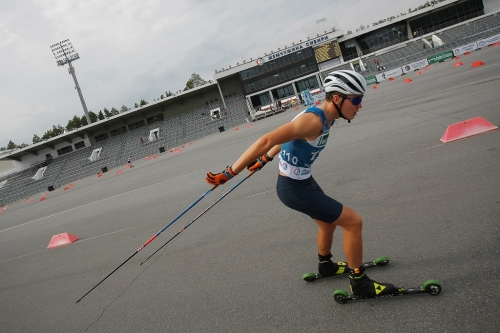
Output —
(133, 50)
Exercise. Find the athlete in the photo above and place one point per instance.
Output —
(298, 144)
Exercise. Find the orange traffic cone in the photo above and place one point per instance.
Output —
(477, 64)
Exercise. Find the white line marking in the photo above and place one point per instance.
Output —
(114, 196)
(79, 241)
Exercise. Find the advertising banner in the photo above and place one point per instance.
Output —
(488, 41)
(371, 80)
(388, 74)
(379, 78)
(465, 48)
(440, 57)
(307, 97)
(415, 65)
(318, 97)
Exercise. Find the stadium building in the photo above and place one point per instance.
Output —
(257, 87)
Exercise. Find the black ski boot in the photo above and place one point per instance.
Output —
(363, 286)
(328, 268)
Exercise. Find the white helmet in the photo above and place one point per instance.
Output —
(345, 82)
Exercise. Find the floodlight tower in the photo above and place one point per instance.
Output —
(65, 54)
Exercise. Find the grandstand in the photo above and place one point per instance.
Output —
(459, 34)
(173, 132)
(238, 91)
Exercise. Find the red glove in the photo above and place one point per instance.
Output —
(220, 178)
(259, 163)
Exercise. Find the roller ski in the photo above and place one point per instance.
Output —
(431, 287)
(327, 268)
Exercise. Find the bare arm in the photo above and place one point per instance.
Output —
(307, 126)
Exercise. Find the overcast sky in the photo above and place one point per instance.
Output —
(133, 50)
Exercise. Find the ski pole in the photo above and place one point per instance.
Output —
(203, 212)
(150, 240)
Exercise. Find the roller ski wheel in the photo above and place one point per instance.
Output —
(343, 268)
(431, 287)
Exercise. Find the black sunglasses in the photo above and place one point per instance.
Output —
(355, 100)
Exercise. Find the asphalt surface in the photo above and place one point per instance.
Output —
(433, 208)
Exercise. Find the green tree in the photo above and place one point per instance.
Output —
(194, 81)
(143, 102)
(107, 113)
(168, 93)
(70, 126)
(57, 130)
(92, 116)
(136, 105)
(83, 121)
(11, 145)
(100, 115)
(124, 109)
(47, 135)
(74, 123)
(36, 138)
(189, 85)
(114, 111)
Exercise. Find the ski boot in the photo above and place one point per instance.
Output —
(328, 268)
(364, 287)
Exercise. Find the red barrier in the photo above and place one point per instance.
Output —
(467, 128)
(477, 64)
(62, 239)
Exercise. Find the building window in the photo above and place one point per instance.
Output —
(447, 16)
(383, 37)
(286, 74)
(118, 131)
(283, 92)
(156, 118)
(309, 83)
(101, 137)
(276, 64)
(137, 124)
(79, 145)
(65, 150)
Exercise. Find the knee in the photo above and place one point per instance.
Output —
(357, 221)
(350, 220)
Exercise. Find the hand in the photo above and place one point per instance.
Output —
(220, 178)
(259, 163)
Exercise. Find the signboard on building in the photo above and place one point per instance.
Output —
(331, 37)
(327, 51)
